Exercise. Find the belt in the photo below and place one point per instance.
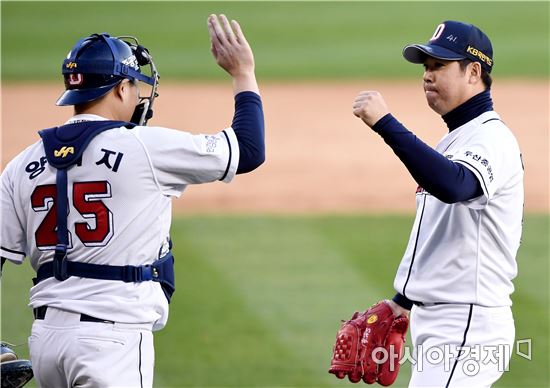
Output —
(428, 304)
(40, 313)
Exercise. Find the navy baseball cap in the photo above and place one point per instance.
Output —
(454, 41)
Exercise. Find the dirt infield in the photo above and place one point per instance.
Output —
(319, 156)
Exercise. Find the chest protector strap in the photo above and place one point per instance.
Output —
(64, 147)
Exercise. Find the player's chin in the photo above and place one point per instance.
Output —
(434, 103)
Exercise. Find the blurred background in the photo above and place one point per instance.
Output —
(268, 265)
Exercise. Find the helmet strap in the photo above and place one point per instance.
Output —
(142, 113)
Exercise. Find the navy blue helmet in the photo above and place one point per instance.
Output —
(99, 62)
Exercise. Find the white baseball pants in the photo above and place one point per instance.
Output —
(66, 352)
(460, 345)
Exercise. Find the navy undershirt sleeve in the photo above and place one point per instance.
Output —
(248, 124)
(446, 180)
(403, 301)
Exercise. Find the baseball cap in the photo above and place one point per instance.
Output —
(454, 41)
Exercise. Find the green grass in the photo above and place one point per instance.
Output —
(291, 40)
(259, 298)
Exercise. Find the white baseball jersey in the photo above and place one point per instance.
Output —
(466, 252)
(119, 212)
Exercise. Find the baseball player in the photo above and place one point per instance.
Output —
(456, 273)
(90, 206)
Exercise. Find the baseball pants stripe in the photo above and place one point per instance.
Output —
(460, 345)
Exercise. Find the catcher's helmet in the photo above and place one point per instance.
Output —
(99, 62)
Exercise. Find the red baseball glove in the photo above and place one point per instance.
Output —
(370, 345)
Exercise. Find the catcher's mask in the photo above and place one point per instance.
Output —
(99, 62)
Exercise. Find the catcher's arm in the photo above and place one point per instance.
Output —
(233, 54)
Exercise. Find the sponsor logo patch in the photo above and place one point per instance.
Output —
(132, 62)
(476, 53)
(373, 318)
(63, 152)
(75, 79)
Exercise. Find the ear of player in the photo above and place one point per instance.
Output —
(370, 345)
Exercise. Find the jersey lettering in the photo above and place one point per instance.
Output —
(484, 162)
(98, 229)
(87, 200)
(106, 159)
(43, 199)
(36, 167)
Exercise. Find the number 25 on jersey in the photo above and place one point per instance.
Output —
(87, 200)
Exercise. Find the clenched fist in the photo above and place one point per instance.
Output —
(370, 107)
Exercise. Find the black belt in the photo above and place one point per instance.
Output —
(429, 303)
(40, 313)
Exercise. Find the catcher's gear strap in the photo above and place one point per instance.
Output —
(64, 147)
(161, 270)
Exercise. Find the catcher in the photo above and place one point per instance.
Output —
(90, 206)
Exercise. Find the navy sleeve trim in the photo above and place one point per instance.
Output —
(446, 180)
(230, 156)
(248, 124)
(403, 301)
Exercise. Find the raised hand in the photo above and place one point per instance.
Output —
(232, 52)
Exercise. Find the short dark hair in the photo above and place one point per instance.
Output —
(485, 76)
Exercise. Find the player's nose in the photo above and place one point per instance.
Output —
(427, 77)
